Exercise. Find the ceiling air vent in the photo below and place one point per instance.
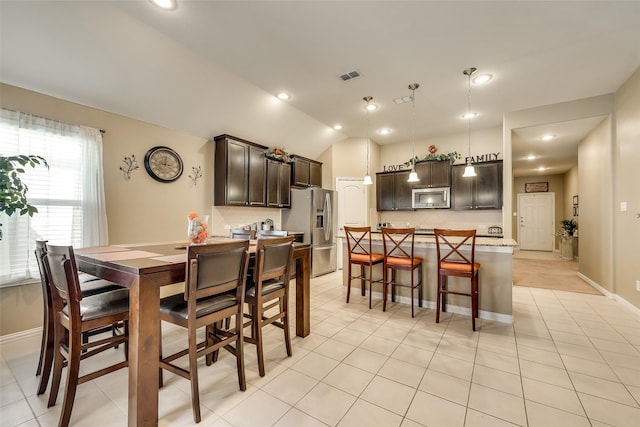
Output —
(350, 75)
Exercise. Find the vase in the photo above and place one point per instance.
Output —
(198, 228)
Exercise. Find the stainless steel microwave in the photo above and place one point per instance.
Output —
(431, 198)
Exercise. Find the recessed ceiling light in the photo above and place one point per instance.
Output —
(481, 79)
(337, 127)
(542, 169)
(166, 4)
(371, 107)
(283, 96)
(547, 137)
(470, 115)
(532, 157)
(384, 131)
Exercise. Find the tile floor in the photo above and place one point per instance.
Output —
(568, 360)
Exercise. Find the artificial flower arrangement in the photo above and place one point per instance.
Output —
(280, 155)
(433, 155)
(198, 229)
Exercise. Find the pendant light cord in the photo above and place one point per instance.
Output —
(469, 117)
(368, 137)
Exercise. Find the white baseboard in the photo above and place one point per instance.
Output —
(613, 296)
(4, 339)
(465, 311)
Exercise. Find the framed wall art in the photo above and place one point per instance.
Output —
(536, 187)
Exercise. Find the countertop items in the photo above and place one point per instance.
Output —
(427, 236)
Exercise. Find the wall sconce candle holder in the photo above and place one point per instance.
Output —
(197, 174)
(130, 164)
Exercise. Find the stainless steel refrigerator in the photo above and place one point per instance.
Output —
(313, 212)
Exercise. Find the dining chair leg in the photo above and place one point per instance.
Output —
(242, 381)
(393, 285)
(420, 286)
(257, 334)
(370, 284)
(58, 362)
(193, 372)
(47, 357)
(73, 372)
(160, 378)
(285, 323)
(363, 282)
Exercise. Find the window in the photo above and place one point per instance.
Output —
(69, 195)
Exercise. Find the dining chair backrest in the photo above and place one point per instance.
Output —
(393, 240)
(449, 250)
(62, 273)
(262, 234)
(241, 233)
(273, 257)
(215, 269)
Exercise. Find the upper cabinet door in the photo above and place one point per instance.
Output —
(301, 172)
(239, 172)
(433, 173)
(484, 191)
(315, 174)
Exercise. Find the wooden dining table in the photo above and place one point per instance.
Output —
(144, 269)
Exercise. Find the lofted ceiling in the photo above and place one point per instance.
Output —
(133, 59)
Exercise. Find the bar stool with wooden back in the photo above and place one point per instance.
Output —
(452, 262)
(360, 253)
(397, 258)
(214, 290)
(74, 314)
(269, 289)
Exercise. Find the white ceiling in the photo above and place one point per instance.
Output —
(120, 56)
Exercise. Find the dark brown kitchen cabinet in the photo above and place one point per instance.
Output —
(484, 191)
(306, 172)
(433, 173)
(393, 192)
(240, 172)
(278, 184)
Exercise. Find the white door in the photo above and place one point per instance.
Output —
(536, 223)
(352, 207)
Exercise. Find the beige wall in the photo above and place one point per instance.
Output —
(596, 180)
(571, 189)
(137, 210)
(627, 176)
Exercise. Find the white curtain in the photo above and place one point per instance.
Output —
(69, 195)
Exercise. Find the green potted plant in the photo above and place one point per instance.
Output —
(569, 226)
(13, 191)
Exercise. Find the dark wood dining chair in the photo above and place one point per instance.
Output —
(452, 262)
(399, 255)
(89, 285)
(263, 234)
(241, 233)
(360, 254)
(214, 291)
(267, 289)
(75, 314)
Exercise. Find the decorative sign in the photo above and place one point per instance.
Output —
(474, 159)
(536, 187)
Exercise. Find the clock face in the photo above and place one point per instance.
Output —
(163, 164)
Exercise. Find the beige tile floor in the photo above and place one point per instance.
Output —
(567, 360)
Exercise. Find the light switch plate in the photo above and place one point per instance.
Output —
(623, 206)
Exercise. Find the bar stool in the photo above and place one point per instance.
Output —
(359, 247)
(455, 263)
(398, 258)
(241, 233)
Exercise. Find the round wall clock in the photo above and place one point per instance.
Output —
(163, 164)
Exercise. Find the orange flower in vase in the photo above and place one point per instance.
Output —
(198, 227)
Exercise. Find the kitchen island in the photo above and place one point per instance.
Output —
(493, 253)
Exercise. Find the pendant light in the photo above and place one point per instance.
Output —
(367, 178)
(469, 170)
(413, 176)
